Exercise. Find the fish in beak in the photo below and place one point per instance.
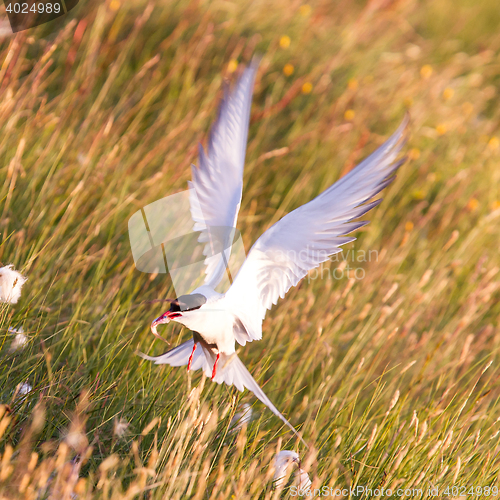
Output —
(173, 312)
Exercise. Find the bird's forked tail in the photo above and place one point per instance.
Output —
(230, 370)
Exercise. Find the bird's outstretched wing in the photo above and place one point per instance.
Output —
(215, 191)
(306, 237)
(230, 370)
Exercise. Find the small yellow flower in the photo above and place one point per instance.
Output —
(495, 205)
(81, 486)
(307, 88)
(493, 143)
(441, 129)
(414, 154)
(467, 108)
(285, 42)
(409, 226)
(426, 71)
(114, 5)
(472, 204)
(305, 10)
(232, 66)
(349, 115)
(448, 93)
(288, 69)
(408, 102)
(352, 84)
(418, 194)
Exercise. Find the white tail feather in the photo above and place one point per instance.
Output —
(230, 370)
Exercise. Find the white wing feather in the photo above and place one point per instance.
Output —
(215, 191)
(306, 237)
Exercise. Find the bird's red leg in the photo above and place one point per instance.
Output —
(191, 357)
(214, 371)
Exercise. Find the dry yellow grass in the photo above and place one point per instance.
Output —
(389, 367)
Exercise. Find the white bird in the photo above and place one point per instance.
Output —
(278, 260)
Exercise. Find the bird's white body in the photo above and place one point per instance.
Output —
(279, 259)
(215, 323)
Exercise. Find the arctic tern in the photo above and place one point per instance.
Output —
(278, 260)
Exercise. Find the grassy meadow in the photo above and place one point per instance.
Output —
(387, 360)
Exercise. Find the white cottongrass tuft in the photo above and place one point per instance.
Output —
(20, 340)
(75, 436)
(120, 427)
(284, 459)
(24, 388)
(11, 282)
(241, 418)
